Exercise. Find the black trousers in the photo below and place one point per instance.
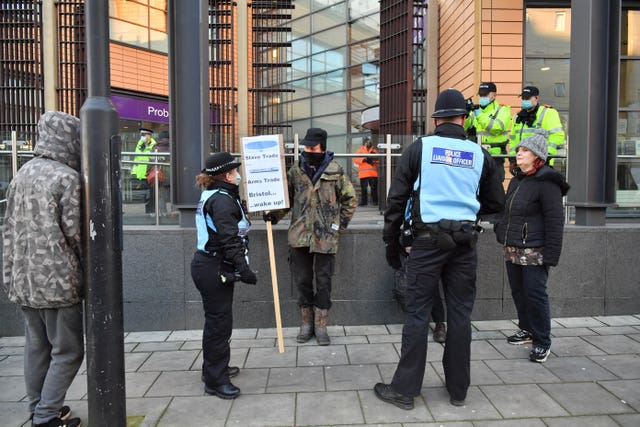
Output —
(437, 312)
(529, 290)
(305, 266)
(369, 182)
(457, 269)
(217, 300)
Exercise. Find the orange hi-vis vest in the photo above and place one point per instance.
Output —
(366, 170)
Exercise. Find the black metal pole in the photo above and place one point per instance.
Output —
(102, 239)
(594, 76)
(188, 100)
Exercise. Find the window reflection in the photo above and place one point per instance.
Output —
(139, 24)
(548, 31)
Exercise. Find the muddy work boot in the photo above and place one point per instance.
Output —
(306, 329)
(321, 318)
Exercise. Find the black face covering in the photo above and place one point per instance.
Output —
(313, 159)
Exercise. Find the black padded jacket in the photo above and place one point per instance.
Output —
(532, 216)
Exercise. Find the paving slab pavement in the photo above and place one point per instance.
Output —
(592, 378)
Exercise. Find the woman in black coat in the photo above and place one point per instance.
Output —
(221, 259)
(530, 229)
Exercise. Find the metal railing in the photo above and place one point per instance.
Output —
(165, 214)
(128, 184)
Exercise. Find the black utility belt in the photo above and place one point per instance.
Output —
(207, 254)
(497, 144)
(446, 233)
(446, 225)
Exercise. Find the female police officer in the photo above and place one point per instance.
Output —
(222, 227)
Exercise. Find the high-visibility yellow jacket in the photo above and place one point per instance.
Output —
(366, 169)
(140, 171)
(547, 122)
(492, 124)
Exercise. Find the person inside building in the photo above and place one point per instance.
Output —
(450, 181)
(42, 266)
(537, 118)
(530, 230)
(492, 122)
(139, 171)
(220, 260)
(322, 201)
(367, 171)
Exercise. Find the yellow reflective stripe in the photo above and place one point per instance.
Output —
(542, 110)
(554, 130)
(493, 119)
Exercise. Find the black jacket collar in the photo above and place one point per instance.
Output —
(450, 130)
(228, 187)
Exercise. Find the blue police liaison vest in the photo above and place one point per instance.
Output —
(449, 179)
(204, 221)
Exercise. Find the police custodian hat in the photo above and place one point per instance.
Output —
(219, 163)
(450, 103)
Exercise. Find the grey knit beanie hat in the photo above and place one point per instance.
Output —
(536, 143)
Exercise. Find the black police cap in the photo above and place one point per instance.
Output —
(529, 91)
(487, 87)
(450, 103)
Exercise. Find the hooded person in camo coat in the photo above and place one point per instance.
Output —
(42, 269)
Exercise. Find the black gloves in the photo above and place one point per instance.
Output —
(369, 160)
(241, 265)
(270, 216)
(247, 276)
(393, 250)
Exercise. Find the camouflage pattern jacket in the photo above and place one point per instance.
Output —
(320, 211)
(41, 234)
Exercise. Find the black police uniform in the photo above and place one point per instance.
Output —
(435, 256)
(224, 253)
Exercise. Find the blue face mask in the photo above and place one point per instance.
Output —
(526, 104)
(238, 179)
(484, 101)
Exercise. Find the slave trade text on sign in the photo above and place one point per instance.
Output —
(264, 174)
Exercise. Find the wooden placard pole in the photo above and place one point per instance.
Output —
(264, 179)
(274, 285)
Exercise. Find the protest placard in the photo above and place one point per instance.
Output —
(265, 183)
(264, 174)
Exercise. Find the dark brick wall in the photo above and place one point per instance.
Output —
(598, 274)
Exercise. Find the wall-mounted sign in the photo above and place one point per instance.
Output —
(146, 110)
(263, 173)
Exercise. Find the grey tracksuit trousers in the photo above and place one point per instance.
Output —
(53, 353)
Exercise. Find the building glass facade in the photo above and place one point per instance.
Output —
(335, 52)
(547, 58)
(332, 57)
(139, 23)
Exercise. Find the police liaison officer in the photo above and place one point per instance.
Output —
(450, 181)
(221, 259)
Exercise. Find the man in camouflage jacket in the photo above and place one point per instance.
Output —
(322, 201)
(42, 269)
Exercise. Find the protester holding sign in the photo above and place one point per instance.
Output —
(322, 201)
(221, 259)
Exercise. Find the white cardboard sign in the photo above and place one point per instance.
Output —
(263, 173)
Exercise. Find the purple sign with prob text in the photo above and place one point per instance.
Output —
(145, 110)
